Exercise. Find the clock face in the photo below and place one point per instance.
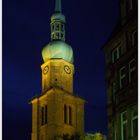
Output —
(67, 69)
(46, 69)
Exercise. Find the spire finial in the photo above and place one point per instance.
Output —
(58, 6)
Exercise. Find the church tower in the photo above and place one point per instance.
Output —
(57, 112)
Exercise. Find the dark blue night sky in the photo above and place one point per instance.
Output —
(26, 29)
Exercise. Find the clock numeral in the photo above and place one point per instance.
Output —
(45, 70)
(67, 69)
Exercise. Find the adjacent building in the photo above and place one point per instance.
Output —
(121, 55)
(57, 113)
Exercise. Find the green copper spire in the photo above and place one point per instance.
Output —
(58, 6)
(57, 48)
(58, 23)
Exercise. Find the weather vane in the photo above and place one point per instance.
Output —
(58, 6)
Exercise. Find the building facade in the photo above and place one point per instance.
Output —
(121, 52)
(57, 112)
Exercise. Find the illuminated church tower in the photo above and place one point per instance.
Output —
(57, 112)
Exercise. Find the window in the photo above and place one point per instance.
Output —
(132, 4)
(57, 35)
(123, 79)
(57, 26)
(70, 115)
(44, 115)
(113, 91)
(132, 70)
(124, 126)
(62, 35)
(116, 54)
(62, 27)
(115, 133)
(52, 27)
(134, 123)
(134, 38)
(67, 115)
(53, 36)
(114, 87)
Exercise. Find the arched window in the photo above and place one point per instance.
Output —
(44, 115)
(67, 115)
